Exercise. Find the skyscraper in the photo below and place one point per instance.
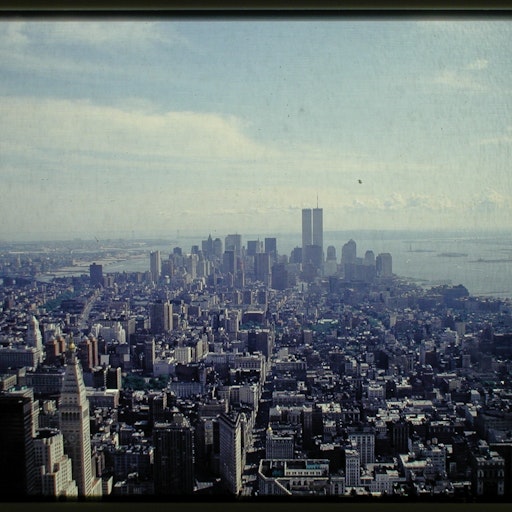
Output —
(312, 237)
(17, 470)
(231, 451)
(174, 457)
(155, 266)
(349, 253)
(55, 475)
(262, 268)
(384, 264)
(74, 425)
(34, 338)
(271, 248)
(160, 316)
(95, 274)
(352, 468)
(307, 229)
(233, 243)
(318, 228)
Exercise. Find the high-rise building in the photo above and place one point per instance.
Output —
(149, 355)
(17, 470)
(279, 276)
(231, 451)
(253, 247)
(95, 274)
(279, 446)
(318, 228)
(330, 266)
(307, 228)
(262, 270)
(155, 266)
(160, 316)
(34, 338)
(174, 457)
(207, 247)
(233, 243)
(369, 259)
(384, 264)
(271, 248)
(364, 441)
(312, 237)
(217, 247)
(331, 253)
(352, 468)
(54, 467)
(261, 340)
(229, 260)
(74, 425)
(349, 253)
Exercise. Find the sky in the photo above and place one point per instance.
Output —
(122, 128)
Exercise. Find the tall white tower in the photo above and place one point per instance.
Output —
(74, 425)
(34, 337)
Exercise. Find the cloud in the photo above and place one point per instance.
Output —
(80, 129)
(490, 201)
(478, 65)
(505, 138)
(102, 34)
(402, 202)
(460, 81)
(77, 48)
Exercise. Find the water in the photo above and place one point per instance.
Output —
(482, 262)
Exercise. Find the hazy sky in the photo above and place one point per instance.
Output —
(144, 126)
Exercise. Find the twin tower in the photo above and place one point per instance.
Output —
(312, 237)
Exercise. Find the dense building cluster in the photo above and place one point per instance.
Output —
(232, 369)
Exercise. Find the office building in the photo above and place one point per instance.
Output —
(253, 247)
(217, 248)
(312, 237)
(307, 228)
(95, 274)
(229, 260)
(231, 451)
(233, 243)
(299, 477)
(74, 425)
(19, 356)
(261, 340)
(174, 457)
(34, 338)
(17, 470)
(149, 355)
(364, 441)
(271, 248)
(369, 259)
(384, 264)
(349, 253)
(262, 267)
(53, 466)
(279, 446)
(279, 276)
(155, 266)
(352, 468)
(160, 316)
(207, 247)
(318, 228)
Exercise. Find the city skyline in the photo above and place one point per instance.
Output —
(143, 127)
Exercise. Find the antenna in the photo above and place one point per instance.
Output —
(317, 200)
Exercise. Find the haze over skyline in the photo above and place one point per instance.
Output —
(144, 126)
